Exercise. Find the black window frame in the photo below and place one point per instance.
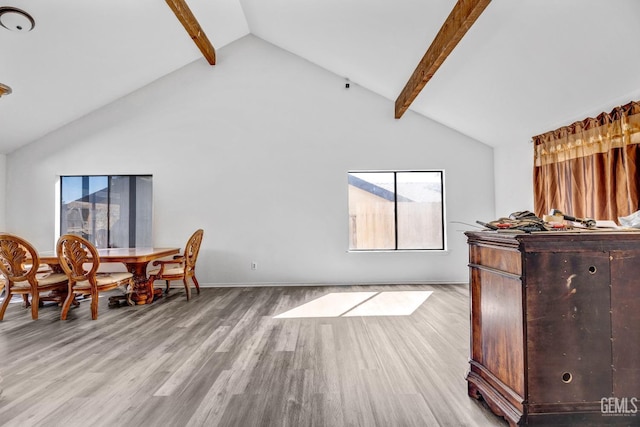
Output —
(132, 213)
(443, 243)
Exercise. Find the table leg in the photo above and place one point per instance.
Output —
(142, 294)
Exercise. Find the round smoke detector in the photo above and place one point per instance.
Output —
(14, 19)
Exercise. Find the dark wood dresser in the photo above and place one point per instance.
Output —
(555, 326)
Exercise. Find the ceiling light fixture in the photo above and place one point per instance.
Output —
(17, 20)
(4, 90)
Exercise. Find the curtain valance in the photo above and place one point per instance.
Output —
(590, 136)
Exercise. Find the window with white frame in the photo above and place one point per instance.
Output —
(396, 210)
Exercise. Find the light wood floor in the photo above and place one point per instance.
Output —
(222, 359)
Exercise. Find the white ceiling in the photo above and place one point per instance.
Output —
(525, 67)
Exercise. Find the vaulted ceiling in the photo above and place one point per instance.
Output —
(523, 68)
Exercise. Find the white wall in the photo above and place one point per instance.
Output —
(3, 188)
(256, 151)
(513, 178)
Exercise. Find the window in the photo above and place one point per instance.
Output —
(396, 210)
(110, 211)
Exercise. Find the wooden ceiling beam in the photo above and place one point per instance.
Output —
(461, 18)
(4, 89)
(190, 23)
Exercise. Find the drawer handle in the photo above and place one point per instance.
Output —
(593, 269)
(567, 377)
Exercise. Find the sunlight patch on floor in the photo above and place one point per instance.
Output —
(352, 304)
(334, 304)
(396, 303)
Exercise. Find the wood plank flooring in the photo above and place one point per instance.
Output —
(222, 359)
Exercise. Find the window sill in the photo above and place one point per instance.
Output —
(404, 251)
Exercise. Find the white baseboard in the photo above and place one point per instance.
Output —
(285, 284)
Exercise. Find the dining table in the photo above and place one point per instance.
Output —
(135, 260)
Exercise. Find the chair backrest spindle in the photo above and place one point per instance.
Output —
(75, 253)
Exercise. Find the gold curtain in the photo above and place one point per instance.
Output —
(589, 169)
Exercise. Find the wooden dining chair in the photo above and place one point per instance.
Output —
(80, 261)
(20, 264)
(180, 267)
